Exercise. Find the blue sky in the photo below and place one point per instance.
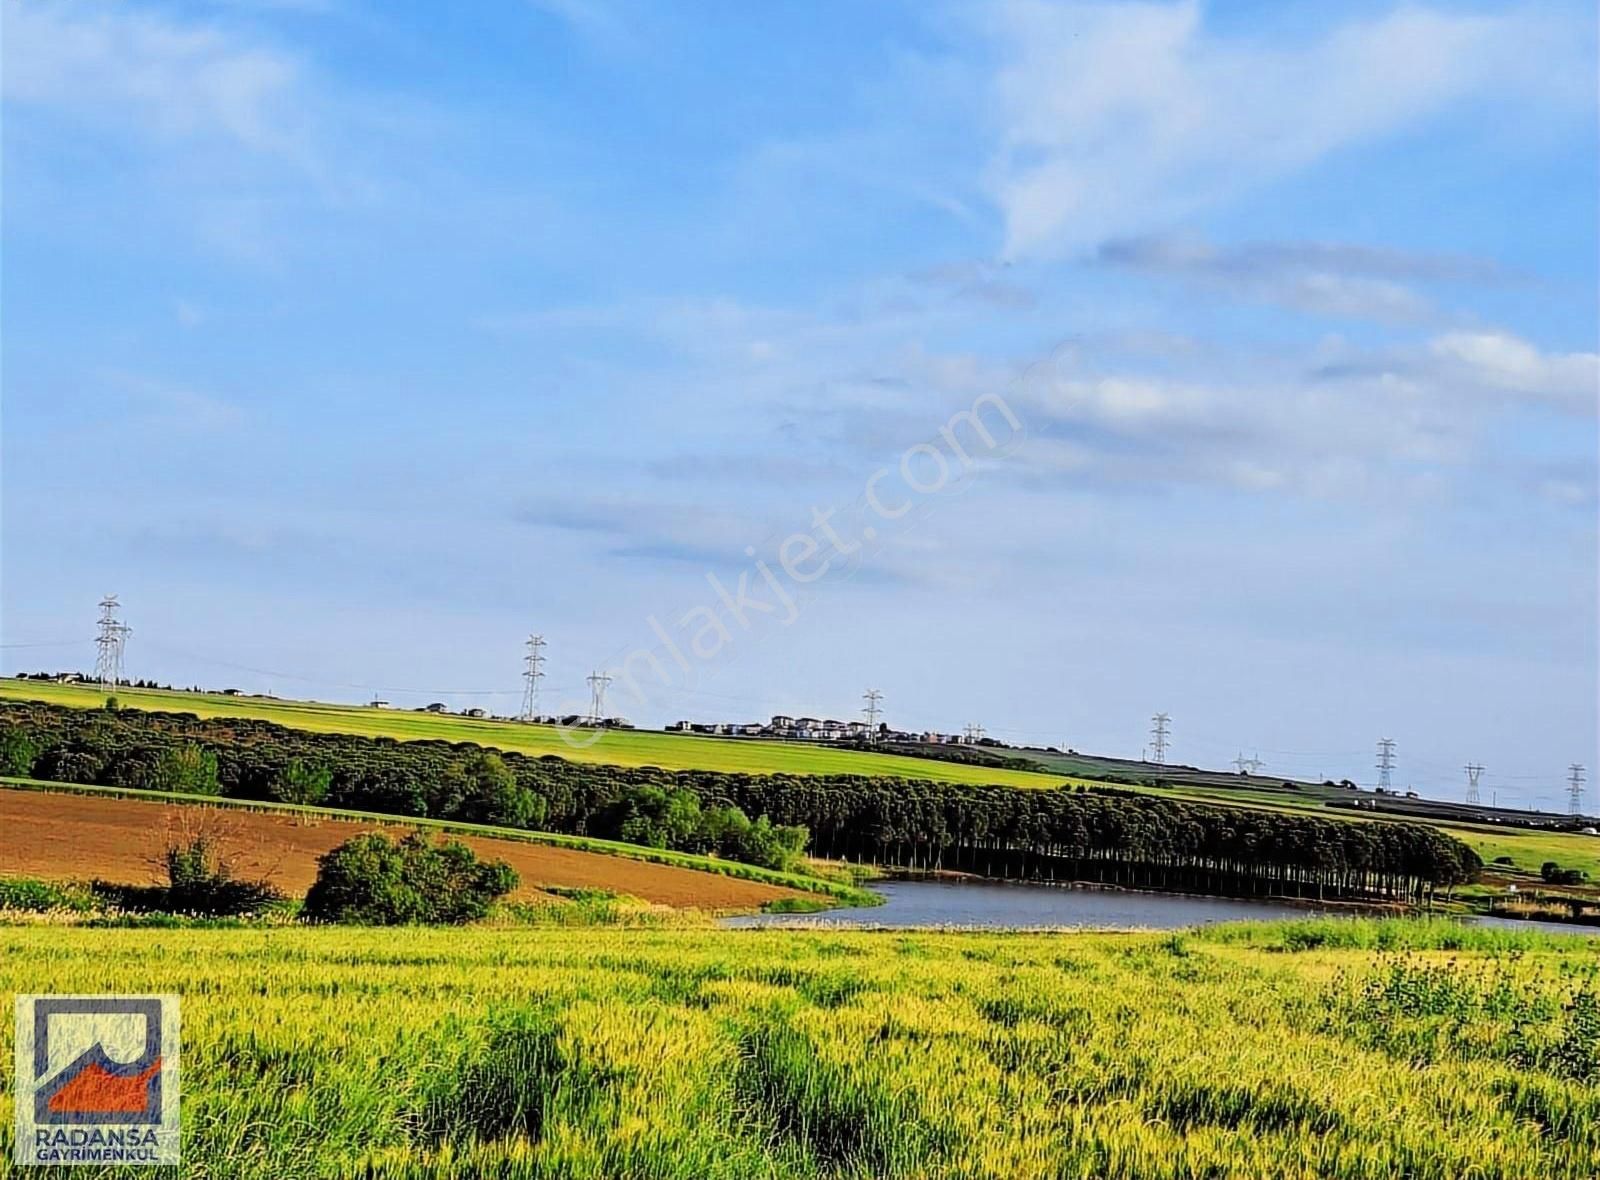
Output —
(349, 343)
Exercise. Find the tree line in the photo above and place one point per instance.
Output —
(1094, 834)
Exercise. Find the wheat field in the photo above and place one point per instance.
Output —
(717, 1053)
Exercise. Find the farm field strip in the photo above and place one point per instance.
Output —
(720, 1055)
(614, 748)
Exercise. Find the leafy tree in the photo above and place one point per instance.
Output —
(18, 751)
(483, 790)
(374, 880)
(652, 816)
(303, 783)
(190, 768)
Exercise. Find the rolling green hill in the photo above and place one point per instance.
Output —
(611, 747)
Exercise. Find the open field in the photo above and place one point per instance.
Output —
(1529, 849)
(614, 747)
(72, 834)
(732, 1054)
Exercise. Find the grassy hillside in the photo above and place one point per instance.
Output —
(720, 1055)
(613, 747)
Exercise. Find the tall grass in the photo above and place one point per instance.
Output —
(696, 1053)
(1391, 934)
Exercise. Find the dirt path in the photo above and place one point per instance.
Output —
(79, 837)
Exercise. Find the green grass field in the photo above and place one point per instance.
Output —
(1528, 850)
(784, 1054)
(613, 747)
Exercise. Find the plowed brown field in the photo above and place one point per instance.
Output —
(80, 837)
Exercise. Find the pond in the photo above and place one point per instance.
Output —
(1000, 906)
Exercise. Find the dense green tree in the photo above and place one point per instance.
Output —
(189, 768)
(18, 751)
(376, 881)
(300, 782)
(483, 790)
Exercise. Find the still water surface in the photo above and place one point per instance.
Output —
(997, 906)
(1009, 907)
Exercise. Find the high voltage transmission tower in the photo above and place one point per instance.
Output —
(1385, 763)
(597, 696)
(1474, 773)
(1575, 788)
(973, 730)
(873, 698)
(109, 644)
(530, 676)
(1248, 765)
(1159, 732)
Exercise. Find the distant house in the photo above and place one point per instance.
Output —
(477, 713)
(377, 704)
(436, 707)
(678, 727)
(750, 729)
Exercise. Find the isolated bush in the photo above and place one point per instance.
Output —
(191, 769)
(1554, 874)
(373, 880)
(201, 881)
(302, 783)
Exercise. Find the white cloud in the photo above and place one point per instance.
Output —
(1118, 116)
(1502, 362)
(154, 76)
(202, 126)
